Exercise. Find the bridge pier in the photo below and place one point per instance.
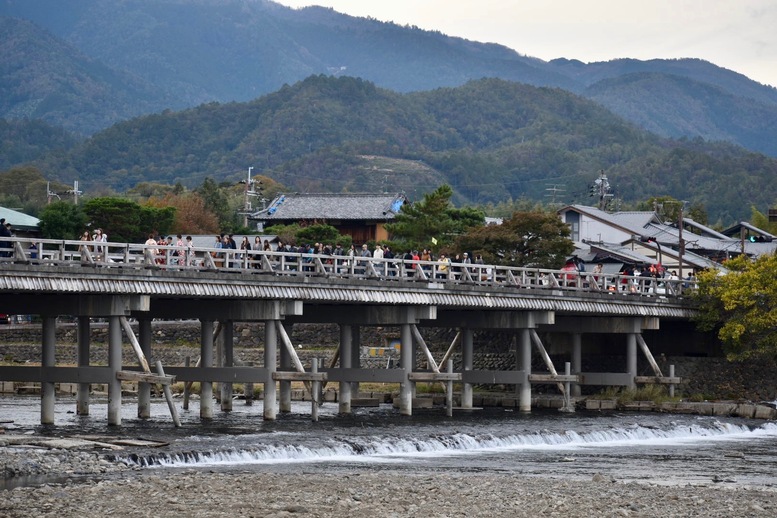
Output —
(346, 362)
(82, 359)
(467, 364)
(577, 361)
(406, 363)
(227, 360)
(144, 388)
(114, 365)
(270, 363)
(631, 359)
(47, 389)
(524, 365)
(284, 386)
(206, 362)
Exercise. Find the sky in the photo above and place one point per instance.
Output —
(740, 35)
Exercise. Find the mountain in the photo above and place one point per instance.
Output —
(47, 79)
(24, 141)
(489, 139)
(97, 62)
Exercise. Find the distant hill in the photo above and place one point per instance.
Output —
(43, 78)
(98, 62)
(25, 141)
(489, 139)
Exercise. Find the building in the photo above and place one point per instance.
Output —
(361, 216)
(22, 224)
(641, 237)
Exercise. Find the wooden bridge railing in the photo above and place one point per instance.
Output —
(257, 262)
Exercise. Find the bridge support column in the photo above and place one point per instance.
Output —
(82, 358)
(270, 363)
(206, 361)
(114, 364)
(284, 387)
(406, 362)
(144, 389)
(524, 352)
(631, 358)
(346, 362)
(467, 364)
(47, 390)
(577, 361)
(228, 340)
(356, 360)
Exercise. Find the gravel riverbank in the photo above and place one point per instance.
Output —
(375, 494)
(98, 487)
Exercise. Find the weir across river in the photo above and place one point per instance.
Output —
(119, 282)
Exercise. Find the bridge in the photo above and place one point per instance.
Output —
(121, 282)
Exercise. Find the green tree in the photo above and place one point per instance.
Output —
(741, 306)
(533, 238)
(62, 220)
(125, 220)
(326, 234)
(432, 219)
(217, 201)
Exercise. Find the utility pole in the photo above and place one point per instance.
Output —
(50, 194)
(601, 189)
(681, 242)
(247, 203)
(75, 192)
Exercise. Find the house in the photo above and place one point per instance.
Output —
(362, 216)
(22, 225)
(641, 237)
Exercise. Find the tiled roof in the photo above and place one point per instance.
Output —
(332, 207)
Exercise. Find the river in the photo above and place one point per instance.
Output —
(643, 447)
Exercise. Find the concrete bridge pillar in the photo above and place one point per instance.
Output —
(577, 360)
(82, 358)
(467, 364)
(47, 391)
(406, 362)
(284, 387)
(114, 364)
(631, 358)
(144, 389)
(227, 360)
(270, 363)
(524, 364)
(346, 362)
(206, 362)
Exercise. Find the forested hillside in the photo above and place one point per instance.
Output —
(489, 139)
(88, 64)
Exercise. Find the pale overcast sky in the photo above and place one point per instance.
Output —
(740, 35)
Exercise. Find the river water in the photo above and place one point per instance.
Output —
(647, 447)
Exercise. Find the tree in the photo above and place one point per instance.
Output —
(433, 222)
(217, 201)
(191, 216)
(62, 220)
(125, 220)
(741, 306)
(533, 238)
